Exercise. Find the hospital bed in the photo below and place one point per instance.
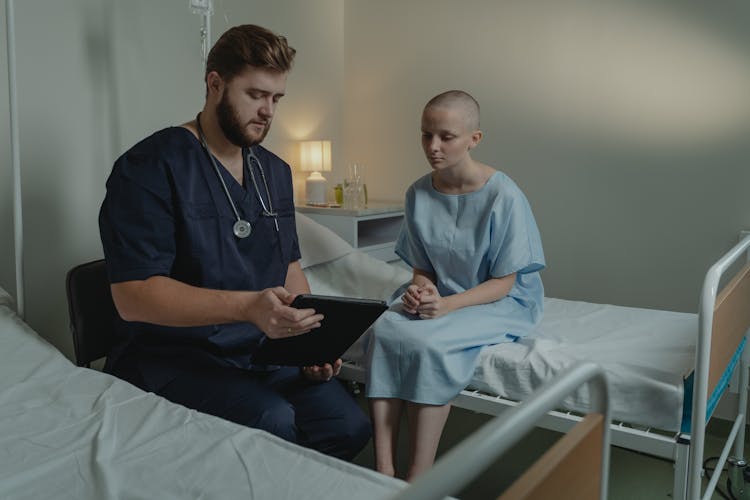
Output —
(667, 370)
(68, 432)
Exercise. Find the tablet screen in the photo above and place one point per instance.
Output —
(345, 320)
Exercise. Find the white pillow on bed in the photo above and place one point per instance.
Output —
(6, 299)
(317, 243)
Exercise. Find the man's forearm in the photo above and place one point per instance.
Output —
(165, 301)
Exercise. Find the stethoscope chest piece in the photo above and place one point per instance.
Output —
(242, 228)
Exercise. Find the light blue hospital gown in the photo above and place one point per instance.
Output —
(463, 240)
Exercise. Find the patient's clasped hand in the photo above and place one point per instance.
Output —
(474, 247)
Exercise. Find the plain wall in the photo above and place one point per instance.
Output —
(96, 76)
(626, 124)
(7, 254)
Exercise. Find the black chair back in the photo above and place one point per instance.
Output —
(92, 311)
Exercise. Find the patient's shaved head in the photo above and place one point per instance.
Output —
(458, 99)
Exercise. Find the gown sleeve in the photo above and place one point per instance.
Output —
(409, 245)
(515, 243)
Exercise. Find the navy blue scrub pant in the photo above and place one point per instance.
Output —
(318, 415)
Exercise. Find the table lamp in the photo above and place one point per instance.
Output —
(315, 157)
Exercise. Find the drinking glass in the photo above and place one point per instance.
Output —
(357, 190)
(354, 193)
(357, 171)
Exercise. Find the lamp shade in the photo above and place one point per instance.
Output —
(315, 156)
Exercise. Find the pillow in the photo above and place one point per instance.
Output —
(317, 243)
(6, 299)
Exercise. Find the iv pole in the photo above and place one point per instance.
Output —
(205, 8)
(15, 157)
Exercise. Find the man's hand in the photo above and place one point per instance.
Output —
(272, 313)
(322, 372)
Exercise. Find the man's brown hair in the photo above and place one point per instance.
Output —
(251, 45)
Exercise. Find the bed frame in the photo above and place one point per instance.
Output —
(724, 319)
(563, 472)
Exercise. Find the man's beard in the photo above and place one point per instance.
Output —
(230, 125)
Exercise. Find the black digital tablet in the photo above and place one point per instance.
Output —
(345, 320)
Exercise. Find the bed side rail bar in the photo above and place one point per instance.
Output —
(708, 305)
(477, 452)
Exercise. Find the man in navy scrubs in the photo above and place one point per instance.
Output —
(201, 248)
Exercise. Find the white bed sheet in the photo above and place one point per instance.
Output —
(74, 433)
(646, 353)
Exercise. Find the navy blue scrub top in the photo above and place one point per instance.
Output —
(165, 213)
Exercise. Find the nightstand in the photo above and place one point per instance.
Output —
(372, 230)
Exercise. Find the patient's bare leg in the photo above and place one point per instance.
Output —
(426, 423)
(386, 417)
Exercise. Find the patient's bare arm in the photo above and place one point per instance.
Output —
(433, 305)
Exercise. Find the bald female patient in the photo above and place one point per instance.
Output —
(474, 247)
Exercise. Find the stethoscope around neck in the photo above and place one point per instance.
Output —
(241, 227)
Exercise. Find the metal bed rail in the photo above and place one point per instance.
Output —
(708, 297)
(647, 440)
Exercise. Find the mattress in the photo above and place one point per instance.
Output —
(646, 353)
(69, 432)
